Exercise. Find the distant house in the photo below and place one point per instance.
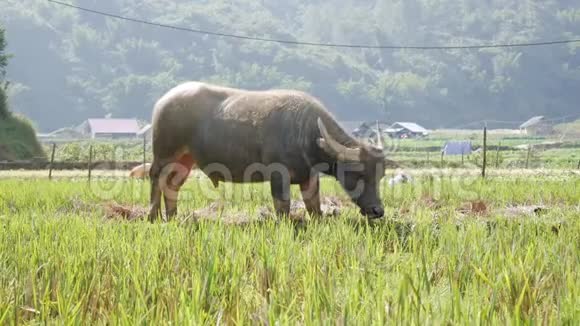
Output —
(352, 127)
(145, 131)
(364, 129)
(111, 128)
(367, 129)
(407, 130)
(536, 126)
(462, 147)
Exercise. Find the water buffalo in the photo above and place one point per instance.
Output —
(281, 136)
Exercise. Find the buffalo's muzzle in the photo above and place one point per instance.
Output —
(373, 212)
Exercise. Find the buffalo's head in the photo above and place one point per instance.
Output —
(359, 169)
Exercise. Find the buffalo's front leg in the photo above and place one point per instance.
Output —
(310, 190)
(280, 188)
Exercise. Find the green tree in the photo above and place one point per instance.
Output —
(93, 65)
(3, 82)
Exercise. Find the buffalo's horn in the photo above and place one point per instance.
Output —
(333, 147)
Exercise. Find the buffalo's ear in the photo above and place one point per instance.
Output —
(334, 148)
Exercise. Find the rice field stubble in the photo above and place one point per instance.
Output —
(450, 250)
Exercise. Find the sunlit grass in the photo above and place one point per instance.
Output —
(61, 263)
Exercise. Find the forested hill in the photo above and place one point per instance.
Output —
(69, 65)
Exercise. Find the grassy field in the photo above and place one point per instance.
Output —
(435, 258)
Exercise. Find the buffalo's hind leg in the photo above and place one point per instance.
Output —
(311, 195)
(155, 199)
(175, 176)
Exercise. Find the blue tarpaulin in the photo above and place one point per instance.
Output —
(457, 147)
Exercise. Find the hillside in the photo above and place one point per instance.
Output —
(18, 140)
(91, 65)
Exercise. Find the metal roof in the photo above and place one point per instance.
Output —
(533, 121)
(144, 130)
(114, 126)
(411, 126)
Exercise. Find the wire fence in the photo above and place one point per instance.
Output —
(505, 149)
(84, 155)
(315, 44)
(502, 151)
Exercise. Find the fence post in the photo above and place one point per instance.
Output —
(90, 161)
(578, 168)
(428, 160)
(442, 153)
(144, 149)
(528, 156)
(484, 152)
(51, 161)
(392, 188)
(497, 155)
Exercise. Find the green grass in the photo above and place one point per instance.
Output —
(61, 262)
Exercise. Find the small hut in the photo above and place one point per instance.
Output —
(536, 126)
